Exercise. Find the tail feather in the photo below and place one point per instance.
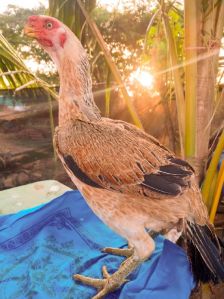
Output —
(206, 247)
(205, 253)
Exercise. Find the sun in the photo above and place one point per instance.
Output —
(144, 77)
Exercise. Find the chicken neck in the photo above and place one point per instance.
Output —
(75, 96)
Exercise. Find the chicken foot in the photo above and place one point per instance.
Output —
(109, 283)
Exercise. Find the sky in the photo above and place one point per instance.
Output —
(35, 3)
(23, 3)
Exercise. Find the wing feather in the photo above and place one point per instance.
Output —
(118, 157)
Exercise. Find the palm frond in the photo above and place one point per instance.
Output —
(14, 75)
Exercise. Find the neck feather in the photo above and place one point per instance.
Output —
(75, 98)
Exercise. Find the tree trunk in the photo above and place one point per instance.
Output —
(208, 44)
(205, 103)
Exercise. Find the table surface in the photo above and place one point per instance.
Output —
(31, 195)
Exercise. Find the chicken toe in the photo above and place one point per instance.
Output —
(109, 283)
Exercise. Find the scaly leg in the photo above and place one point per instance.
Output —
(119, 251)
(143, 248)
(111, 282)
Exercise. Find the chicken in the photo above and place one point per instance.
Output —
(130, 181)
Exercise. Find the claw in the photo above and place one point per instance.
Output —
(105, 272)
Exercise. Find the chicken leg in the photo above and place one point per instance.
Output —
(111, 282)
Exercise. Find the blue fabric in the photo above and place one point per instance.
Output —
(41, 248)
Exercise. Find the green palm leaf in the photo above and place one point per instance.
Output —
(14, 74)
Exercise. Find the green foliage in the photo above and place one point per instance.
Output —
(11, 25)
(177, 27)
(70, 13)
(13, 71)
(14, 74)
(124, 33)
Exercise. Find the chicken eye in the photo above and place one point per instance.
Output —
(49, 25)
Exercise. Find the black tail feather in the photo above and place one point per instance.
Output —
(204, 250)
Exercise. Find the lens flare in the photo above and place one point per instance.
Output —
(144, 77)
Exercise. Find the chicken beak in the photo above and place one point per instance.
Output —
(29, 31)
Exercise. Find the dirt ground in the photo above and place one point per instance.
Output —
(26, 151)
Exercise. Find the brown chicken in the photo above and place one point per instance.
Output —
(130, 181)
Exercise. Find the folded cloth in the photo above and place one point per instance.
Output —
(41, 248)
